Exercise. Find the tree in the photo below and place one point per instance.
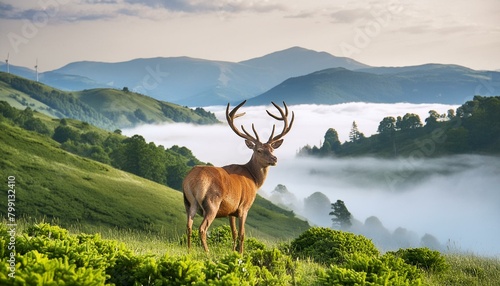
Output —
(410, 121)
(432, 120)
(342, 216)
(332, 142)
(387, 125)
(64, 133)
(354, 134)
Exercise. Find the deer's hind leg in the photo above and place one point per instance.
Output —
(191, 210)
(209, 214)
(234, 231)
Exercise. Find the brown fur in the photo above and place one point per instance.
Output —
(230, 191)
(227, 191)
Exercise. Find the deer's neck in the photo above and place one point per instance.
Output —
(258, 172)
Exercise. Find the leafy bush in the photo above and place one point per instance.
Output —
(328, 246)
(353, 259)
(275, 267)
(423, 258)
(49, 255)
(371, 270)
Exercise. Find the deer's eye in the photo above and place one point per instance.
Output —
(259, 150)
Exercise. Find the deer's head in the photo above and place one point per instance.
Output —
(262, 152)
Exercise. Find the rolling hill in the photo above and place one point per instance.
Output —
(104, 107)
(449, 84)
(54, 184)
(199, 82)
(296, 74)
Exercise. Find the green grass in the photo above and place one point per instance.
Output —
(104, 107)
(54, 184)
(467, 269)
(462, 269)
(120, 106)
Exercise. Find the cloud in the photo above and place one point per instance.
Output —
(59, 11)
(350, 16)
(210, 6)
(311, 123)
(453, 198)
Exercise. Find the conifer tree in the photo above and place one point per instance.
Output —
(342, 216)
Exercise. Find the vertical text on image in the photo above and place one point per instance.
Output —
(11, 224)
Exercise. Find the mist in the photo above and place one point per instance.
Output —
(456, 199)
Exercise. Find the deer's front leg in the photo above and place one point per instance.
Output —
(234, 231)
(241, 237)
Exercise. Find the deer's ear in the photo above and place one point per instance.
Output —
(250, 144)
(277, 144)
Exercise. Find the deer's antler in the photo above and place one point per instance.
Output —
(283, 117)
(230, 116)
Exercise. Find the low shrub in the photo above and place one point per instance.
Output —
(328, 246)
(424, 258)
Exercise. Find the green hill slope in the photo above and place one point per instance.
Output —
(52, 183)
(106, 108)
(127, 109)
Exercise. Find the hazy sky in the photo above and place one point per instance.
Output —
(376, 32)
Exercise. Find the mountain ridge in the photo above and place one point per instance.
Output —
(428, 83)
(192, 81)
(200, 82)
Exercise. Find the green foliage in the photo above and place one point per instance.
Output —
(353, 260)
(47, 254)
(65, 103)
(467, 270)
(103, 107)
(24, 119)
(329, 246)
(424, 258)
(366, 270)
(50, 255)
(276, 268)
(342, 216)
(474, 129)
(132, 154)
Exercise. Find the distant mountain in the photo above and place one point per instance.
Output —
(297, 61)
(104, 107)
(297, 74)
(198, 82)
(431, 83)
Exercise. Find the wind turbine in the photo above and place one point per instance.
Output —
(7, 62)
(36, 69)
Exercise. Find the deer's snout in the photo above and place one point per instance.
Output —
(273, 160)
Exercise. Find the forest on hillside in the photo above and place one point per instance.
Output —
(474, 127)
(132, 154)
(129, 108)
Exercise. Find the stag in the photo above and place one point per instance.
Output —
(230, 191)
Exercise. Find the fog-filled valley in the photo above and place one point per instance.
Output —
(454, 199)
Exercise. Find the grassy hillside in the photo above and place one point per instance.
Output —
(47, 254)
(104, 107)
(126, 108)
(54, 184)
